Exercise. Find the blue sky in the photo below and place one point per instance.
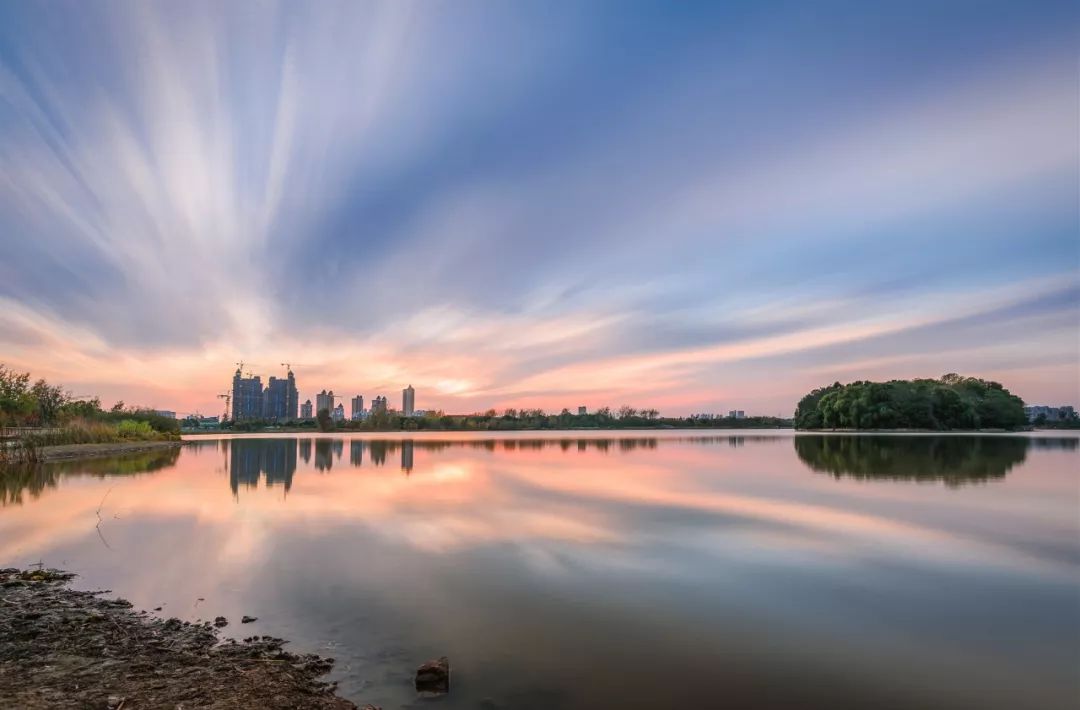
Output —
(696, 207)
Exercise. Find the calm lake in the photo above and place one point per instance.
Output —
(603, 570)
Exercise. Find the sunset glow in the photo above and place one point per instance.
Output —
(718, 208)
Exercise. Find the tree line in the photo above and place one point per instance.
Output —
(951, 402)
(40, 404)
(514, 419)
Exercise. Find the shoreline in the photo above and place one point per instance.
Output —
(65, 648)
(65, 452)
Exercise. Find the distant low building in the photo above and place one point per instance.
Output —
(582, 411)
(165, 413)
(1050, 414)
(736, 414)
(198, 422)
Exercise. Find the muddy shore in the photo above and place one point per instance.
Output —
(66, 452)
(64, 648)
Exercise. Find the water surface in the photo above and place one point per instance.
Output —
(569, 570)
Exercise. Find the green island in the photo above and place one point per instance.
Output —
(950, 403)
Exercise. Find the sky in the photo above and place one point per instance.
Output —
(695, 207)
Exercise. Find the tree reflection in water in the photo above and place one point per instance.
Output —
(954, 460)
(35, 478)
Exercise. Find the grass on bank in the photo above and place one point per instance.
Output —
(81, 431)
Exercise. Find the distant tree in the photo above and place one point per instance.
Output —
(323, 420)
(118, 407)
(16, 401)
(50, 399)
(82, 408)
(627, 412)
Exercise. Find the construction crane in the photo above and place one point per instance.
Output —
(287, 366)
(227, 397)
(240, 366)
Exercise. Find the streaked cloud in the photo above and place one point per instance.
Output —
(517, 206)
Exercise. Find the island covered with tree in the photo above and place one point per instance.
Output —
(952, 402)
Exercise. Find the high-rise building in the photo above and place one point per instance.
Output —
(408, 400)
(324, 400)
(357, 407)
(276, 400)
(338, 413)
(581, 411)
(292, 397)
(247, 397)
(305, 410)
(378, 405)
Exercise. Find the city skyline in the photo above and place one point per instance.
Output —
(720, 206)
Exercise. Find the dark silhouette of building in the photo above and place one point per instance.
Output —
(278, 402)
(280, 399)
(408, 401)
(247, 397)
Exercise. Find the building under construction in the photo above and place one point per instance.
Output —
(279, 401)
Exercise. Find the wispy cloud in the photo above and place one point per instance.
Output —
(393, 192)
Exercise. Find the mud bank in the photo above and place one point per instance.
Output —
(65, 452)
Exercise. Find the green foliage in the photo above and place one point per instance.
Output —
(952, 402)
(45, 405)
(16, 400)
(156, 422)
(324, 421)
(132, 429)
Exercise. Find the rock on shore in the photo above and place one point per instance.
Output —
(434, 676)
(62, 648)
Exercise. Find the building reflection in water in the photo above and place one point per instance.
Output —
(251, 459)
(378, 452)
(954, 460)
(326, 452)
